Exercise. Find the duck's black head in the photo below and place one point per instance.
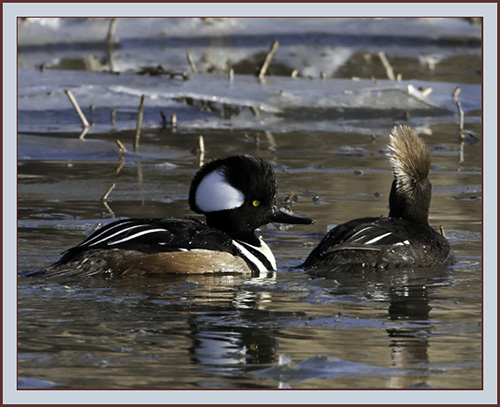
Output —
(237, 195)
(411, 189)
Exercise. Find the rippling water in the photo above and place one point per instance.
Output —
(402, 329)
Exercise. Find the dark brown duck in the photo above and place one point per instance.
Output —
(404, 238)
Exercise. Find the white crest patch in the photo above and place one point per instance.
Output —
(214, 193)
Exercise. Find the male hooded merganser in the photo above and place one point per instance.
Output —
(236, 194)
(404, 239)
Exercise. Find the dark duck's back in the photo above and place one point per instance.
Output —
(404, 239)
(236, 194)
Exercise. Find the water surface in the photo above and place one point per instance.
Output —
(326, 140)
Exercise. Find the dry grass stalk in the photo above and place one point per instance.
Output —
(267, 61)
(73, 101)
(139, 124)
(387, 66)
(105, 196)
(191, 63)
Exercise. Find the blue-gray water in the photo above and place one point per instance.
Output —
(326, 139)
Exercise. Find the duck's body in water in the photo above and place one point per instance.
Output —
(236, 194)
(404, 238)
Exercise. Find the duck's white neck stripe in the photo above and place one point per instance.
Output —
(264, 249)
(214, 194)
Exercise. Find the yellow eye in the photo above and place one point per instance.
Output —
(256, 203)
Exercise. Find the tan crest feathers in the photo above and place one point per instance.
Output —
(409, 156)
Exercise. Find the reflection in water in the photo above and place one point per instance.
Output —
(222, 351)
(220, 331)
(156, 317)
(409, 344)
(224, 330)
(406, 292)
(409, 302)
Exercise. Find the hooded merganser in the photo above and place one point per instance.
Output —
(404, 239)
(236, 194)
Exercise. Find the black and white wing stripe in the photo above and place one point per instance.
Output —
(374, 234)
(127, 231)
(364, 234)
(153, 236)
(164, 235)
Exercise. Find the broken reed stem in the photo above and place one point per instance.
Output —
(201, 144)
(267, 61)
(231, 75)
(139, 124)
(173, 119)
(120, 145)
(109, 209)
(105, 196)
(110, 43)
(191, 63)
(83, 133)
(255, 111)
(461, 154)
(461, 116)
(109, 53)
(427, 91)
(113, 117)
(73, 101)
(201, 150)
(454, 95)
(122, 162)
(387, 66)
(111, 30)
(270, 140)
